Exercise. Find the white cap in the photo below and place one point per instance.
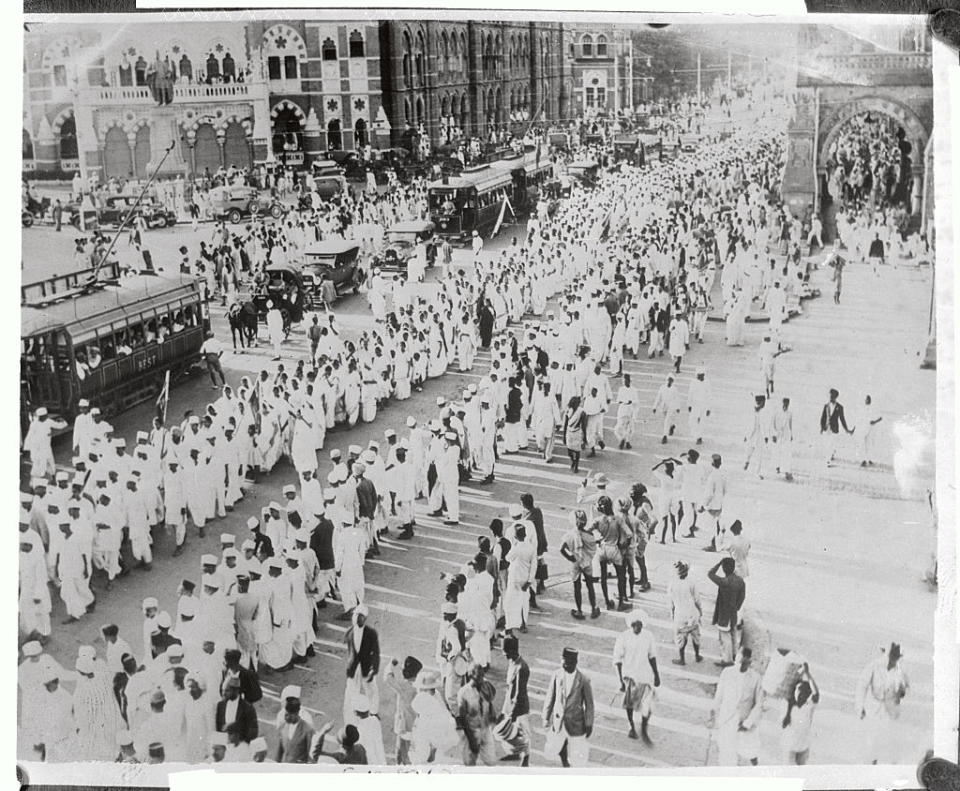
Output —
(188, 606)
(210, 581)
(289, 489)
(95, 411)
(149, 602)
(32, 648)
(389, 433)
(142, 435)
(83, 402)
(208, 560)
(411, 421)
(164, 621)
(227, 539)
(41, 411)
(290, 691)
(369, 457)
(253, 523)
(247, 544)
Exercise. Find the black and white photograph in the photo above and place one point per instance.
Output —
(443, 389)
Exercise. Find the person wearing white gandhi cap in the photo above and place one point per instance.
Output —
(292, 692)
(37, 443)
(274, 328)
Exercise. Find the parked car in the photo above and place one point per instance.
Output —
(334, 260)
(235, 203)
(401, 239)
(117, 207)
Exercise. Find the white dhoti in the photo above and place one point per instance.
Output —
(578, 751)
(516, 607)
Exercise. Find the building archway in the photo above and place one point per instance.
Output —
(67, 138)
(360, 133)
(116, 154)
(141, 152)
(206, 151)
(236, 150)
(903, 126)
(27, 149)
(287, 127)
(334, 135)
(916, 131)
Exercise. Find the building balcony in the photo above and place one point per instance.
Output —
(881, 68)
(183, 93)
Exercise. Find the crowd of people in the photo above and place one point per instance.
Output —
(631, 264)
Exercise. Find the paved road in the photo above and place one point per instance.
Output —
(835, 567)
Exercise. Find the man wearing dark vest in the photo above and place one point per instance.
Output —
(831, 419)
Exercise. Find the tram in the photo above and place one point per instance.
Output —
(473, 200)
(92, 334)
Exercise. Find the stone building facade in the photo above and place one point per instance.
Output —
(445, 77)
(111, 99)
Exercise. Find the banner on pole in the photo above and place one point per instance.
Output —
(503, 210)
(164, 398)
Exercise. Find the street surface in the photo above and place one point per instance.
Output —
(837, 557)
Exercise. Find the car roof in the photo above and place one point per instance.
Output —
(288, 268)
(331, 247)
(411, 226)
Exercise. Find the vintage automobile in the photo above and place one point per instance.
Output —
(334, 260)
(285, 287)
(117, 207)
(585, 171)
(401, 239)
(235, 203)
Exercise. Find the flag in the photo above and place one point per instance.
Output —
(503, 210)
(163, 399)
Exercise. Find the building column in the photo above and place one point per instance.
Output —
(132, 143)
(221, 142)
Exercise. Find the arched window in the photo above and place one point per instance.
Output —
(213, 67)
(68, 139)
(463, 52)
(229, 68)
(421, 48)
(284, 50)
(586, 45)
(140, 71)
(329, 49)
(407, 77)
(444, 53)
(27, 145)
(356, 44)
(186, 67)
(601, 46)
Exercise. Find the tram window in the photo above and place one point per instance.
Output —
(190, 316)
(164, 331)
(178, 321)
(122, 344)
(83, 367)
(108, 350)
(94, 356)
(150, 331)
(135, 333)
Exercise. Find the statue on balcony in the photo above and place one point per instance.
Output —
(160, 78)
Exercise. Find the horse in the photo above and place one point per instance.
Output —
(243, 320)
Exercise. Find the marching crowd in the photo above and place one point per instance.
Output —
(631, 266)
